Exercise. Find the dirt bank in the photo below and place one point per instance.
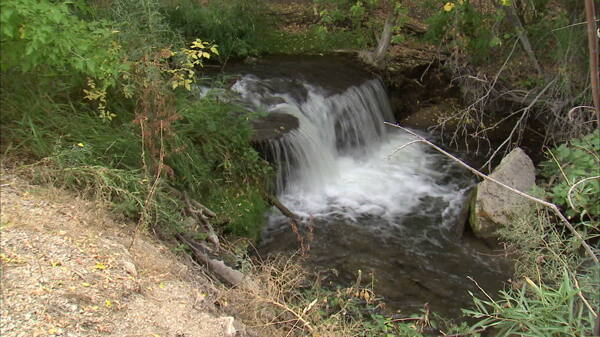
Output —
(70, 269)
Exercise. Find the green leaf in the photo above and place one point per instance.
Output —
(495, 41)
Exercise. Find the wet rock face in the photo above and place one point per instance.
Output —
(494, 206)
(273, 126)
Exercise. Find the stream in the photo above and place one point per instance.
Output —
(391, 213)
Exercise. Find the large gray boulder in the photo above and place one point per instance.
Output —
(494, 206)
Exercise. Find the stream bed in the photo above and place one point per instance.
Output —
(394, 214)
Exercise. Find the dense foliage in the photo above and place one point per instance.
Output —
(110, 109)
(573, 172)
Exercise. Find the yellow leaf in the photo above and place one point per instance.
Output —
(214, 50)
(100, 265)
(108, 303)
(5, 258)
(206, 55)
(80, 144)
(161, 285)
(505, 2)
(85, 284)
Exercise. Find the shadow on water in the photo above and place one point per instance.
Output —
(391, 214)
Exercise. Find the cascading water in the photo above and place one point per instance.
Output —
(341, 160)
(371, 207)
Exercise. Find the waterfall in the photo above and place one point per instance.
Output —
(341, 160)
(365, 204)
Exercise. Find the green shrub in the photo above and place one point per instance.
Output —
(142, 27)
(465, 28)
(212, 157)
(46, 36)
(237, 26)
(572, 170)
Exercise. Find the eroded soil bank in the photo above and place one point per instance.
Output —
(70, 268)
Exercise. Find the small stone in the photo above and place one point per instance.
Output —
(130, 268)
(228, 328)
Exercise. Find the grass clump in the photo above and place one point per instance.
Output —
(556, 285)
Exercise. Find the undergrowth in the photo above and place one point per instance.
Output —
(281, 298)
(555, 288)
(124, 127)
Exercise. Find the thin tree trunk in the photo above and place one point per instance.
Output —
(516, 22)
(590, 14)
(385, 39)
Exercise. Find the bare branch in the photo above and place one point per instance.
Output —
(552, 206)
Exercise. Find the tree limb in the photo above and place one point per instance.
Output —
(228, 274)
(552, 206)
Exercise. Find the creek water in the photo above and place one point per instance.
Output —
(366, 204)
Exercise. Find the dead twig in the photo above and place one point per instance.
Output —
(544, 203)
(525, 111)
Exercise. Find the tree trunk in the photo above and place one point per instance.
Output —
(514, 20)
(376, 57)
(590, 14)
(385, 39)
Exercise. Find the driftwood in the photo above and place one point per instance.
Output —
(223, 271)
(284, 210)
(199, 216)
(200, 213)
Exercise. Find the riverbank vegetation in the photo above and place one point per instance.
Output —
(101, 97)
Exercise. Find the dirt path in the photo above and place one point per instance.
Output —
(67, 271)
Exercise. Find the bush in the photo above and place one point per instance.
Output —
(572, 170)
(237, 26)
(467, 29)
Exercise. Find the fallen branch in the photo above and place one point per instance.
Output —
(552, 206)
(284, 210)
(201, 218)
(525, 111)
(513, 18)
(205, 210)
(199, 213)
(228, 274)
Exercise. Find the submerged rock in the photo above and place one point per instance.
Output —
(494, 206)
(273, 126)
